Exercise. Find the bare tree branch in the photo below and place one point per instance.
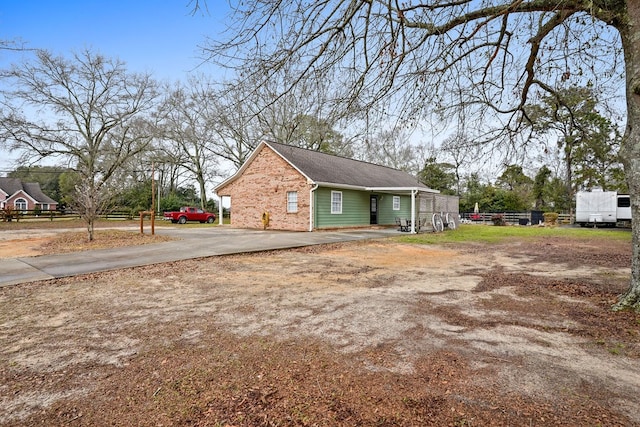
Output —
(87, 112)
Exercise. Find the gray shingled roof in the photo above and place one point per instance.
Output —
(13, 185)
(326, 168)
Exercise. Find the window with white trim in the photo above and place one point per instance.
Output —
(336, 202)
(292, 201)
(396, 203)
(20, 205)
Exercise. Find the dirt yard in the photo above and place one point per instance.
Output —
(375, 333)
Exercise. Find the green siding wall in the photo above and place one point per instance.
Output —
(355, 208)
(386, 214)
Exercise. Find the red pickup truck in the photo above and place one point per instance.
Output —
(188, 213)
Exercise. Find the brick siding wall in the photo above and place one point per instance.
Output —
(263, 188)
(12, 200)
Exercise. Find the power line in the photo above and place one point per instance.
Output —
(32, 171)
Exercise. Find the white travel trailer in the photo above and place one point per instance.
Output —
(604, 208)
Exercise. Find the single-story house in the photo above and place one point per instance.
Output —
(282, 187)
(24, 196)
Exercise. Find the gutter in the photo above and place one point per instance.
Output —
(385, 189)
(415, 190)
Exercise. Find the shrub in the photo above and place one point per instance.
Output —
(550, 218)
(498, 220)
(8, 213)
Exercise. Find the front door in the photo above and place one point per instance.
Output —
(373, 209)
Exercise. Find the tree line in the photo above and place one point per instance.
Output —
(587, 148)
(105, 129)
(112, 127)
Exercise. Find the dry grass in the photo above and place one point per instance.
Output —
(365, 333)
(33, 238)
(76, 241)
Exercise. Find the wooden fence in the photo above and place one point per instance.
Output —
(35, 215)
(482, 217)
(522, 218)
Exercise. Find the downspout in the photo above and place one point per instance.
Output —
(413, 211)
(311, 206)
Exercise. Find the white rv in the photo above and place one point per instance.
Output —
(605, 208)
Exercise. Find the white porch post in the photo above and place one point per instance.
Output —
(313, 188)
(413, 211)
(220, 211)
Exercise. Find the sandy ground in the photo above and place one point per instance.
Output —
(527, 321)
(21, 243)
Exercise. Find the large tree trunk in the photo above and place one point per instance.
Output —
(630, 149)
(90, 230)
(203, 192)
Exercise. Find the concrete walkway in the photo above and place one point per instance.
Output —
(192, 243)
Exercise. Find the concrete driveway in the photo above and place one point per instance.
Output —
(192, 243)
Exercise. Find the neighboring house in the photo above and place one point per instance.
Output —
(24, 196)
(305, 190)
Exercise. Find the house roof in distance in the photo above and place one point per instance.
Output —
(13, 185)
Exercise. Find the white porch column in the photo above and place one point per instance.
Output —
(312, 189)
(220, 210)
(413, 211)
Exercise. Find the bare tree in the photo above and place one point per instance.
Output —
(87, 112)
(169, 159)
(392, 148)
(188, 116)
(248, 112)
(237, 126)
(487, 59)
(307, 115)
(462, 151)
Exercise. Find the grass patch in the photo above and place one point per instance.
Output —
(76, 241)
(493, 234)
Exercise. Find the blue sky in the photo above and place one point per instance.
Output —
(159, 37)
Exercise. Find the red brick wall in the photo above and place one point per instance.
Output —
(263, 187)
(30, 204)
(11, 201)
